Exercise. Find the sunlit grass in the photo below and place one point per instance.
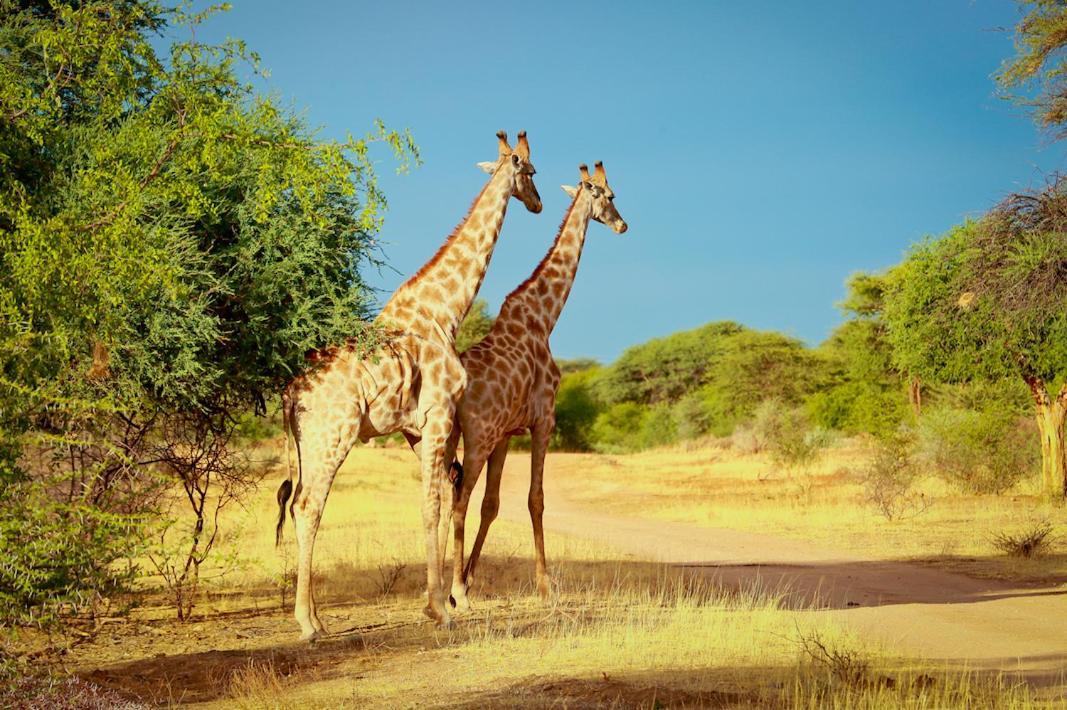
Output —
(715, 487)
(617, 632)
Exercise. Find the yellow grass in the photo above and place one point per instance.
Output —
(717, 487)
(618, 632)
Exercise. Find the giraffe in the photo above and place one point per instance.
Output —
(512, 380)
(411, 383)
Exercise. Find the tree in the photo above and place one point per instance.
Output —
(475, 326)
(1040, 66)
(865, 392)
(988, 300)
(665, 369)
(757, 366)
(171, 247)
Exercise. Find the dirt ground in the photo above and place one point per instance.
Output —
(978, 623)
(515, 650)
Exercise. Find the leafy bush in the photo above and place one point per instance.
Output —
(618, 428)
(788, 435)
(576, 411)
(60, 555)
(858, 407)
(979, 451)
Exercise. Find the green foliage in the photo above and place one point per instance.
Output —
(981, 303)
(576, 411)
(618, 428)
(981, 451)
(665, 369)
(1039, 66)
(756, 366)
(169, 243)
(576, 365)
(59, 554)
(788, 434)
(475, 326)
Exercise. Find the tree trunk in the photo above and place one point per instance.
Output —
(1051, 415)
(1050, 422)
(915, 395)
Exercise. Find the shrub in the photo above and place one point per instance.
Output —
(888, 480)
(979, 451)
(576, 411)
(789, 436)
(1031, 542)
(618, 428)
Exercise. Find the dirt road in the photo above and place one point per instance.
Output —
(977, 623)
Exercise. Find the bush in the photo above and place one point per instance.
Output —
(576, 411)
(1031, 542)
(788, 435)
(60, 556)
(979, 451)
(888, 480)
(618, 428)
(858, 407)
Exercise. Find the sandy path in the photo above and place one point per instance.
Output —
(979, 623)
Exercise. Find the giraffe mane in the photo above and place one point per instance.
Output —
(544, 260)
(439, 254)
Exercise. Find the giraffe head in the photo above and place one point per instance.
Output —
(519, 168)
(595, 188)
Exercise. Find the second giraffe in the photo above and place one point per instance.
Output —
(512, 379)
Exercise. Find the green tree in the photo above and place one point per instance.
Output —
(865, 394)
(665, 369)
(475, 326)
(576, 411)
(757, 366)
(1039, 67)
(171, 246)
(988, 300)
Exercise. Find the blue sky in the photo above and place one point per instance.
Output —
(760, 151)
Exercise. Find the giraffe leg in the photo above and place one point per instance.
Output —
(473, 460)
(322, 447)
(307, 512)
(434, 444)
(490, 506)
(540, 435)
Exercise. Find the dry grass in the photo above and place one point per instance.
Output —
(619, 632)
(715, 487)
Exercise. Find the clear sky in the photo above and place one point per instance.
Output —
(760, 151)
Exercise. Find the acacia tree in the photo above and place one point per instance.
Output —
(171, 245)
(989, 300)
(1039, 68)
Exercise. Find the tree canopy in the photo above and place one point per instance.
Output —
(170, 243)
(987, 301)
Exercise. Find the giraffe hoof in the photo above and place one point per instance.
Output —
(311, 636)
(441, 618)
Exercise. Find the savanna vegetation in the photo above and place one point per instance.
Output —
(172, 244)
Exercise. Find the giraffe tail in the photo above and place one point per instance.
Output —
(285, 490)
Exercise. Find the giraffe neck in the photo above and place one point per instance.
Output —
(544, 294)
(434, 301)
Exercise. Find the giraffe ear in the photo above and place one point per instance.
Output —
(488, 167)
(570, 190)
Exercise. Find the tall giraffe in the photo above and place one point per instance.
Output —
(512, 379)
(411, 383)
